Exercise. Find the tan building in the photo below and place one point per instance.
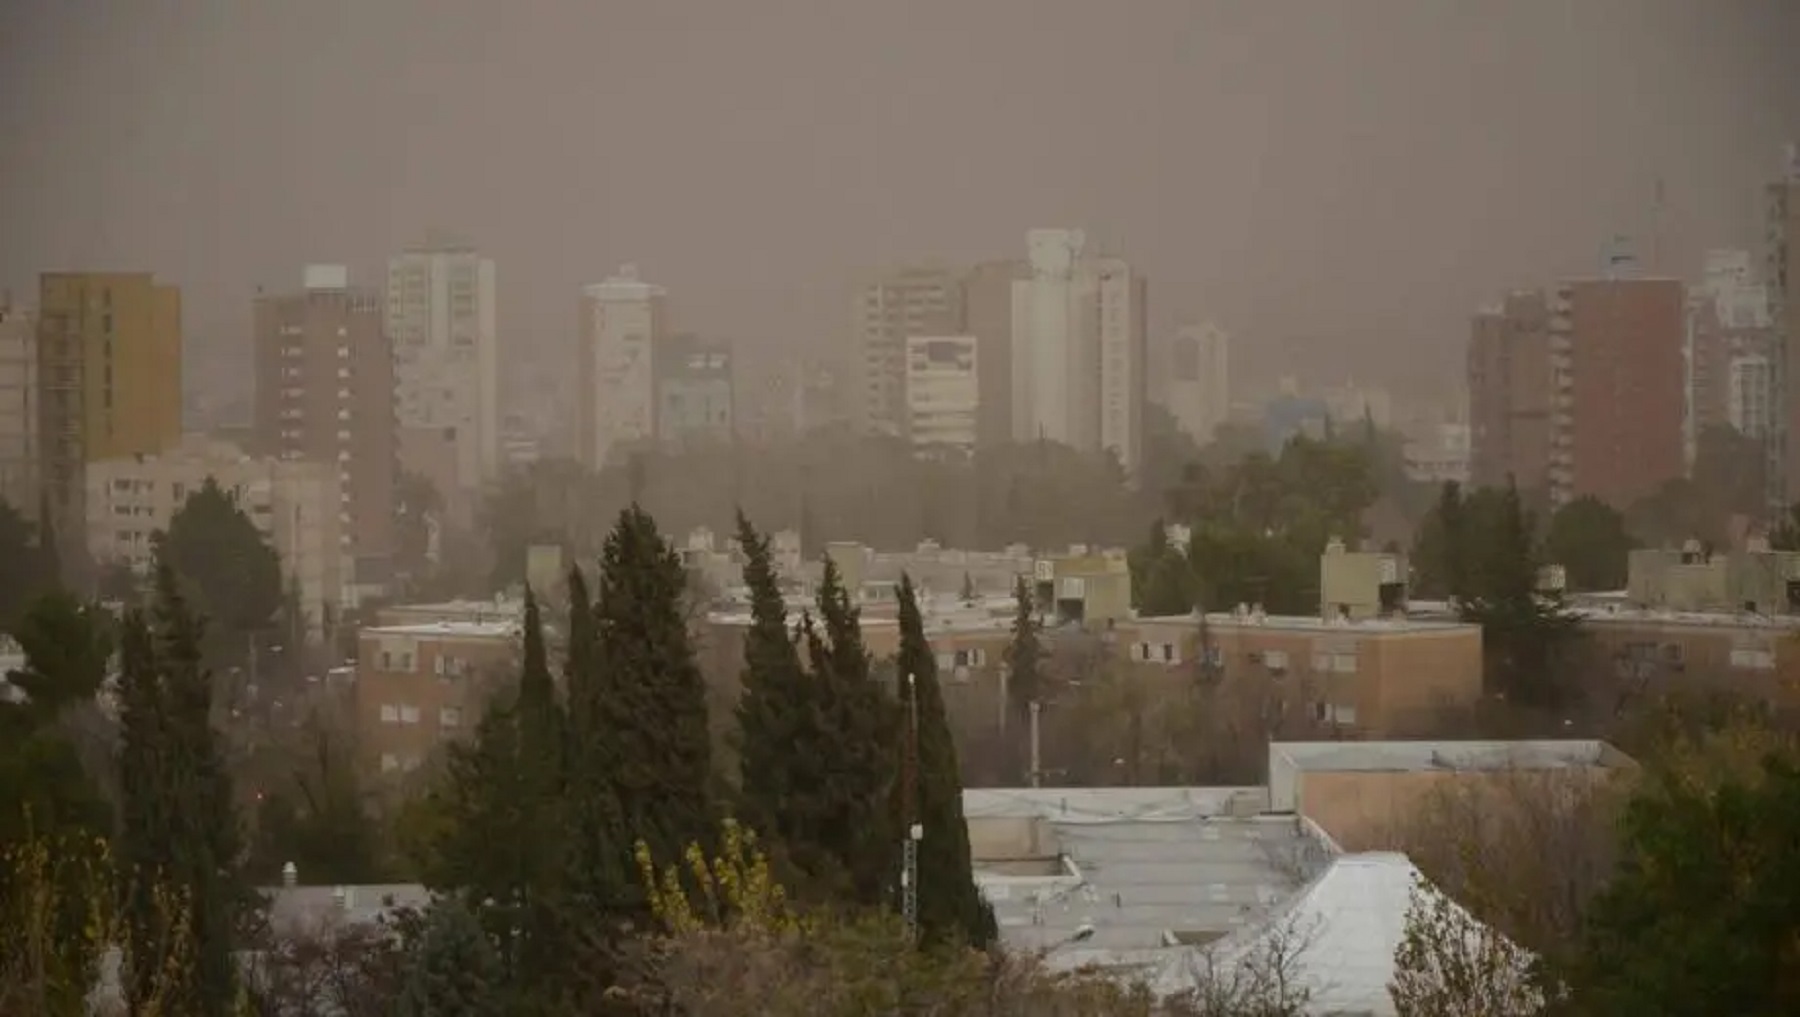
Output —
(325, 393)
(943, 394)
(18, 409)
(1509, 393)
(294, 504)
(109, 378)
(916, 301)
(1781, 271)
(420, 686)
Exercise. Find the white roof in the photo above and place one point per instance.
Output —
(1340, 932)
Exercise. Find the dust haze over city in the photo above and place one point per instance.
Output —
(1076, 508)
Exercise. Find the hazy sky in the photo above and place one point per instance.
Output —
(1339, 182)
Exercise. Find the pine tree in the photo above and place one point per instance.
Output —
(951, 908)
(863, 831)
(538, 884)
(786, 759)
(600, 882)
(179, 833)
(1024, 678)
(453, 971)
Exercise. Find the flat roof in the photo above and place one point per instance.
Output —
(1311, 623)
(1418, 756)
(465, 629)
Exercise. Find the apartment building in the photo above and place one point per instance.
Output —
(1781, 271)
(295, 505)
(943, 394)
(109, 379)
(325, 393)
(922, 300)
(694, 390)
(1197, 384)
(1731, 353)
(622, 321)
(988, 316)
(421, 686)
(440, 316)
(1123, 325)
(1510, 393)
(18, 408)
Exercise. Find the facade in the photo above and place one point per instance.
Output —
(693, 378)
(1439, 453)
(987, 315)
(325, 393)
(622, 320)
(1197, 386)
(885, 313)
(1781, 271)
(294, 503)
(1509, 392)
(440, 317)
(18, 409)
(1616, 352)
(421, 686)
(109, 379)
(943, 393)
(1078, 347)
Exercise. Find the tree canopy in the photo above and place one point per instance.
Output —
(229, 573)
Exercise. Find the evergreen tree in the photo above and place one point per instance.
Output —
(540, 791)
(786, 756)
(862, 829)
(453, 971)
(232, 574)
(179, 835)
(951, 908)
(601, 881)
(1024, 679)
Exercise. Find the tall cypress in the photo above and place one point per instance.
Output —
(179, 832)
(1024, 680)
(540, 792)
(785, 758)
(861, 828)
(649, 738)
(951, 908)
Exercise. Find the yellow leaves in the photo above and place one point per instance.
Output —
(735, 889)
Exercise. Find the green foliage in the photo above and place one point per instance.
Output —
(178, 829)
(27, 566)
(951, 909)
(317, 817)
(1025, 677)
(453, 971)
(1701, 916)
(232, 576)
(1587, 538)
(1449, 964)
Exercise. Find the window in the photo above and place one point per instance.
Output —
(387, 661)
(390, 714)
(409, 714)
(406, 661)
(389, 762)
(1276, 660)
(450, 716)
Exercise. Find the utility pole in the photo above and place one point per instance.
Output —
(909, 814)
(1037, 770)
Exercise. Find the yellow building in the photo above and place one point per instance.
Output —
(109, 369)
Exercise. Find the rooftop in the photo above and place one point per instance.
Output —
(1410, 756)
(455, 629)
(1312, 623)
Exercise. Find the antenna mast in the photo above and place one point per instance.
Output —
(909, 813)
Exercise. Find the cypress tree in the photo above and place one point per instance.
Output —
(179, 833)
(453, 971)
(540, 794)
(861, 828)
(642, 724)
(785, 758)
(1024, 678)
(951, 908)
(600, 880)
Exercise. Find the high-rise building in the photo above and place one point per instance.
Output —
(1078, 345)
(1782, 274)
(1197, 386)
(988, 316)
(1731, 353)
(109, 379)
(922, 300)
(18, 409)
(1510, 393)
(440, 318)
(943, 393)
(622, 320)
(693, 378)
(325, 393)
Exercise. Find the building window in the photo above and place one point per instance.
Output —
(1275, 660)
(450, 717)
(409, 714)
(390, 714)
(389, 762)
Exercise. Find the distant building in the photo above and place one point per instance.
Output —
(440, 317)
(1731, 357)
(325, 393)
(1197, 387)
(109, 378)
(1439, 453)
(943, 393)
(622, 320)
(294, 503)
(18, 409)
(885, 313)
(421, 686)
(988, 317)
(1781, 271)
(1508, 376)
(693, 379)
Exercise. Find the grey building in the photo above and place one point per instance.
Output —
(692, 377)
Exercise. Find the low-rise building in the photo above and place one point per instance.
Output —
(295, 504)
(421, 685)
